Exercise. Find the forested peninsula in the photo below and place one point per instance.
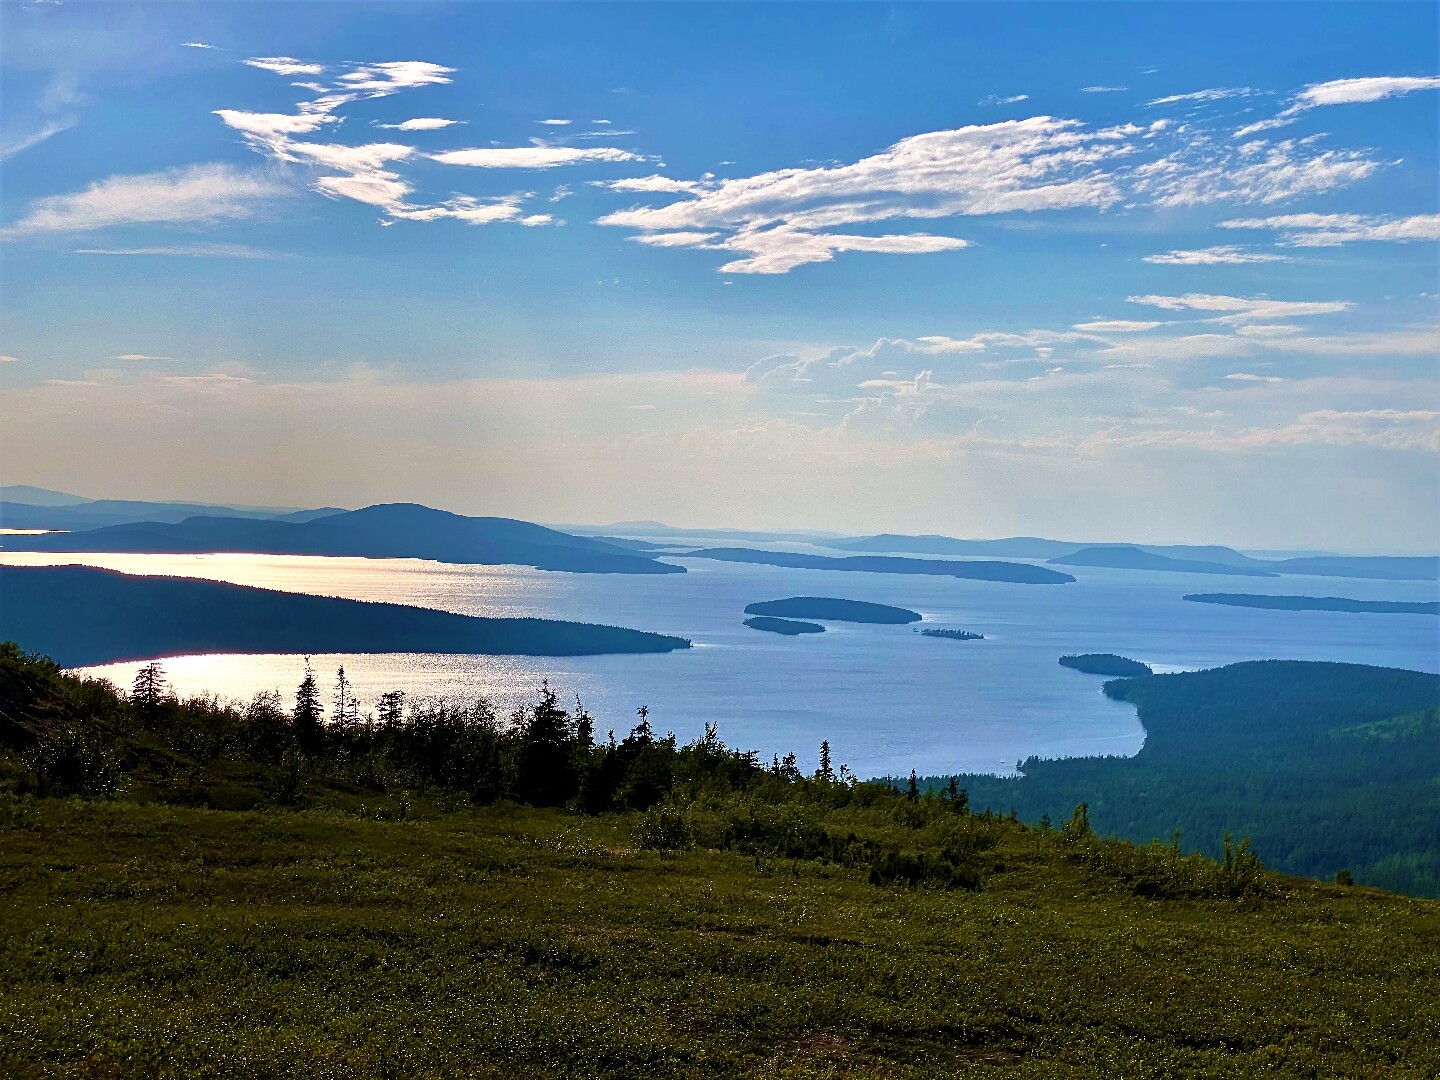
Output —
(83, 616)
(1328, 767)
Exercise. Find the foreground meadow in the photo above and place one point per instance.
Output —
(167, 941)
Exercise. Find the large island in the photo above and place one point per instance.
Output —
(979, 570)
(833, 610)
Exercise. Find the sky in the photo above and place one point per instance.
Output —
(1160, 272)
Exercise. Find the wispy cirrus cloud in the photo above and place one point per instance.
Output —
(1332, 230)
(1343, 92)
(21, 143)
(189, 251)
(778, 217)
(1212, 171)
(1202, 96)
(996, 99)
(1221, 255)
(370, 173)
(1355, 91)
(1243, 308)
(195, 194)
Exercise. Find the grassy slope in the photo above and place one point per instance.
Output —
(148, 940)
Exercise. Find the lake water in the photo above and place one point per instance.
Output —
(887, 699)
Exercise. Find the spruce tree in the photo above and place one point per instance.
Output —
(309, 715)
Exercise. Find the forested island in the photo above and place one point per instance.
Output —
(1317, 603)
(1021, 573)
(462, 894)
(386, 531)
(789, 627)
(952, 635)
(1328, 767)
(84, 616)
(1106, 664)
(827, 607)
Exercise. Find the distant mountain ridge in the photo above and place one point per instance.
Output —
(386, 531)
(23, 506)
(1204, 558)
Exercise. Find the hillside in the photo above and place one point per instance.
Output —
(389, 531)
(358, 912)
(82, 616)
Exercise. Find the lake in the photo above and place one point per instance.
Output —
(887, 699)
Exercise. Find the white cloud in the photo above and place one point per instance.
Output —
(555, 123)
(1243, 308)
(1245, 376)
(9, 359)
(1331, 230)
(138, 356)
(1352, 91)
(1224, 255)
(1116, 326)
(1102, 89)
(1217, 94)
(782, 248)
(421, 123)
(676, 239)
(196, 45)
(194, 194)
(995, 99)
(660, 184)
(269, 126)
(284, 65)
(531, 157)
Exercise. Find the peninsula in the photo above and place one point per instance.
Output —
(81, 616)
(833, 610)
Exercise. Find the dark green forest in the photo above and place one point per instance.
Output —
(1328, 768)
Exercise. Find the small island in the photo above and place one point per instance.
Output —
(1106, 664)
(1317, 603)
(789, 627)
(826, 607)
(952, 635)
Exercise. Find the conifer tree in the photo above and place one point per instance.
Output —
(309, 714)
(148, 689)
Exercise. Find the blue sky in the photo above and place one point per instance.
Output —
(1091, 270)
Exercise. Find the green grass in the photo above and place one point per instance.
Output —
(164, 941)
